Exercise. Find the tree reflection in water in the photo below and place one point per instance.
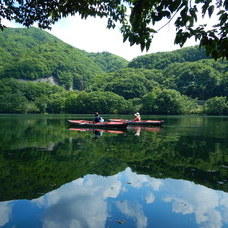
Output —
(39, 153)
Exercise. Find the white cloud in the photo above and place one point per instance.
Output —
(92, 35)
(188, 198)
(68, 206)
(137, 180)
(133, 210)
(82, 203)
(86, 201)
(5, 211)
(150, 198)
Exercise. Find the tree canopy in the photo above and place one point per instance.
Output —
(108, 62)
(161, 60)
(195, 79)
(136, 17)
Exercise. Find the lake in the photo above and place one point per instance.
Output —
(161, 177)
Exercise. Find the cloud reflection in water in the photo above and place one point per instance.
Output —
(128, 198)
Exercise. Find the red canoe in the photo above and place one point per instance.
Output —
(85, 123)
(142, 122)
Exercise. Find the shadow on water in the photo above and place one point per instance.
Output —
(39, 153)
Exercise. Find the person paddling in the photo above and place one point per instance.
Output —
(97, 118)
(137, 117)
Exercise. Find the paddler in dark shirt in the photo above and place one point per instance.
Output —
(97, 118)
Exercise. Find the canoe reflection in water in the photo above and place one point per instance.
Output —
(99, 132)
(136, 129)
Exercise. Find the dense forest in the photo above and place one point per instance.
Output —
(41, 74)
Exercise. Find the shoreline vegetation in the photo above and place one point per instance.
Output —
(41, 74)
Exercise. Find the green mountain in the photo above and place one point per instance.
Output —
(152, 83)
(108, 62)
(161, 60)
(32, 54)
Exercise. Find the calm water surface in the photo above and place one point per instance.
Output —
(54, 176)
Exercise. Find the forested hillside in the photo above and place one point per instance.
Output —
(32, 54)
(108, 62)
(161, 60)
(179, 82)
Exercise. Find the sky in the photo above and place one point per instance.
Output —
(92, 35)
